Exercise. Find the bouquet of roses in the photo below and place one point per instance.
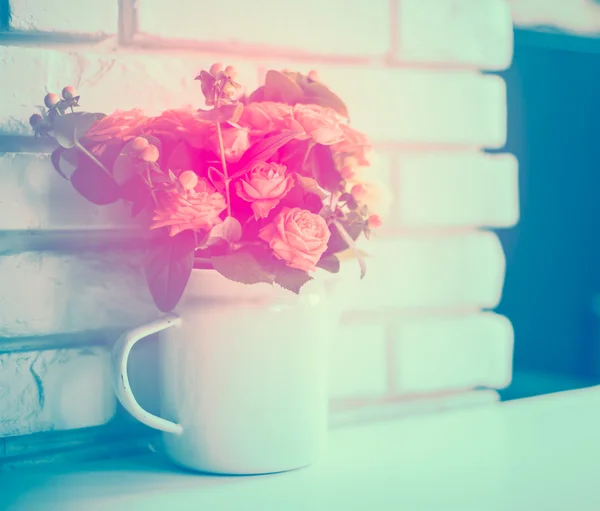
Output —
(259, 187)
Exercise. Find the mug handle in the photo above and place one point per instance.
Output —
(120, 380)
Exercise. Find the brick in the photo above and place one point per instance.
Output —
(54, 390)
(95, 16)
(425, 272)
(106, 80)
(359, 361)
(46, 293)
(352, 27)
(410, 106)
(579, 16)
(453, 353)
(457, 190)
(476, 33)
(34, 196)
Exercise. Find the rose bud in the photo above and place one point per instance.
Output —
(51, 100)
(69, 92)
(139, 144)
(149, 154)
(230, 72)
(228, 90)
(374, 221)
(216, 68)
(313, 75)
(35, 120)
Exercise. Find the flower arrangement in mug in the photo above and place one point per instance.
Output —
(259, 188)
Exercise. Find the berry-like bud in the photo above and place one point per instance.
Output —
(139, 144)
(347, 172)
(358, 192)
(149, 154)
(69, 92)
(51, 100)
(216, 68)
(313, 75)
(231, 72)
(188, 180)
(374, 221)
(35, 120)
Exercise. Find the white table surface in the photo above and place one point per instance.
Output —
(540, 454)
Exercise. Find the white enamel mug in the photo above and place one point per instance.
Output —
(243, 376)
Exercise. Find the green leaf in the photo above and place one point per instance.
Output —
(266, 147)
(329, 263)
(222, 114)
(257, 96)
(140, 203)
(94, 184)
(125, 168)
(55, 159)
(291, 279)
(350, 201)
(321, 165)
(169, 267)
(317, 93)
(310, 185)
(279, 87)
(337, 243)
(180, 158)
(67, 129)
(229, 230)
(243, 267)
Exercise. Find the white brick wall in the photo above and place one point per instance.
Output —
(310, 26)
(411, 82)
(459, 189)
(425, 271)
(469, 32)
(91, 16)
(54, 390)
(414, 356)
(35, 197)
(106, 80)
(453, 353)
(46, 293)
(578, 16)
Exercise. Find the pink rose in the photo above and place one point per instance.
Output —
(264, 186)
(118, 125)
(354, 145)
(297, 236)
(235, 142)
(198, 207)
(320, 123)
(266, 116)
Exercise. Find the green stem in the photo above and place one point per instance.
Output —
(150, 186)
(91, 157)
(224, 164)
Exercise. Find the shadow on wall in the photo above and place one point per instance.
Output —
(553, 255)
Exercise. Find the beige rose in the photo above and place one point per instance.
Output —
(321, 124)
(265, 116)
(198, 207)
(264, 186)
(297, 236)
